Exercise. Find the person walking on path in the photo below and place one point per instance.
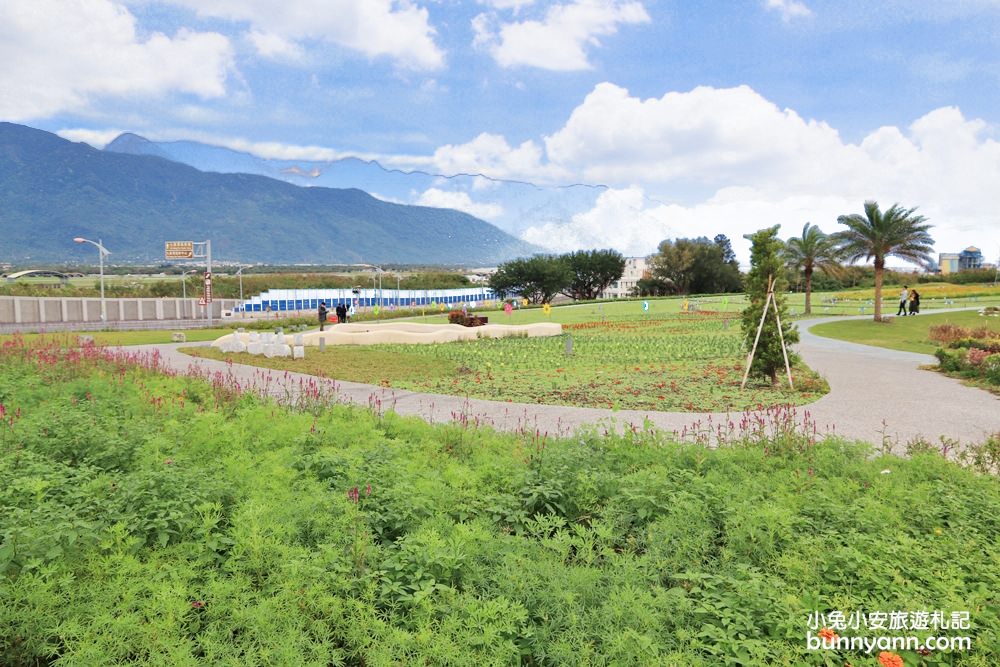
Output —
(341, 312)
(322, 314)
(914, 302)
(904, 297)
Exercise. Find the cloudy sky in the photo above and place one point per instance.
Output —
(701, 117)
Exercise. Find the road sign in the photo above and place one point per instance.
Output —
(208, 288)
(179, 249)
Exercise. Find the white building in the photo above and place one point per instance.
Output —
(635, 269)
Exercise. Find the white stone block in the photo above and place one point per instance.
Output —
(255, 348)
(299, 352)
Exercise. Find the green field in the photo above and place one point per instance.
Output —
(622, 358)
(155, 520)
(909, 334)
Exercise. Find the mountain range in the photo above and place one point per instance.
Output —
(513, 206)
(52, 190)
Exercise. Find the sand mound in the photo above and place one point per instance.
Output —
(375, 333)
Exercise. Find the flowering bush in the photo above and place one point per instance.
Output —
(973, 353)
(214, 526)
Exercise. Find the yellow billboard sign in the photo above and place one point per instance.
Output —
(179, 249)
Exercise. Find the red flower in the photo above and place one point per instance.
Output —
(197, 604)
(828, 636)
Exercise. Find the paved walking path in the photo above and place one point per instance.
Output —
(877, 395)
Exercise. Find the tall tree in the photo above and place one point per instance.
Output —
(592, 271)
(537, 278)
(765, 265)
(696, 266)
(723, 242)
(809, 252)
(895, 232)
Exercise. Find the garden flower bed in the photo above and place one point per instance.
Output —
(973, 354)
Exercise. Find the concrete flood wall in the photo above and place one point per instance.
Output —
(44, 310)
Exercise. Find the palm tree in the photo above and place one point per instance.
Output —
(813, 250)
(896, 232)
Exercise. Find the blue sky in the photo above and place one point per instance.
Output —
(701, 117)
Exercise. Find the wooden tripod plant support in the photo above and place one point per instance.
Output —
(769, 301)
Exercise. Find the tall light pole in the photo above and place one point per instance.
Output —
(101, 252)
(239, 272)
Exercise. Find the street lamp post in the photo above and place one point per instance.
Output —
(239, 272)
(101, 252)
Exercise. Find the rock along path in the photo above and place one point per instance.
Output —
(876, 395)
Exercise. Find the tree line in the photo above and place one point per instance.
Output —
(708, 266)
(580, 275)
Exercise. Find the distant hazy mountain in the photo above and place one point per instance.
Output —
(52, 190)
(512, 206)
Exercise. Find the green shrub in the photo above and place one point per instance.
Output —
(214, 528)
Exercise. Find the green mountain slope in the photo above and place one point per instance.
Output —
(52, 190)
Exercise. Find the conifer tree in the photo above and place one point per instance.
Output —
(766, 263)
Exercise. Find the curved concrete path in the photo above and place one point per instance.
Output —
(876, 395)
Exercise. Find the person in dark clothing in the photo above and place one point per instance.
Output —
(341, 312)
(914, 302)
(322, 314)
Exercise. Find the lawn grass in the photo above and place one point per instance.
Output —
(148, 519)
(909, 334)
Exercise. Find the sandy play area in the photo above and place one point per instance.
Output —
(374, 333)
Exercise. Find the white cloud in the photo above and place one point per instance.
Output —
(622, 219)
(789, 9)
(96, 138)
(560, 40)
(460, 201)
(507, 4)
(481, 183)
(59, 56)
(630, 222)
(762, 165)
(491, 155)
(397, 29)
(707, 136)
(271, 45)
